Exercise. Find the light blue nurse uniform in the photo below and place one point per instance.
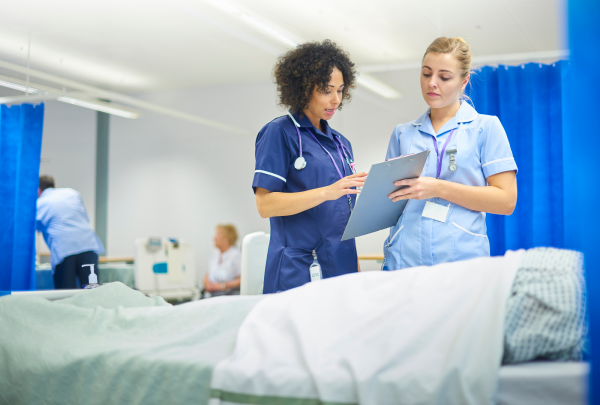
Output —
(482, 151)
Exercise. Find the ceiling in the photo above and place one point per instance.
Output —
(132, 45)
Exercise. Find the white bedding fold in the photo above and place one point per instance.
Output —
(425, 335)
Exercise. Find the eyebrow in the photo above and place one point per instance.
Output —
(341, 85)
(443, 70)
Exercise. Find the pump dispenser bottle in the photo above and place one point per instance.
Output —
(315, 269)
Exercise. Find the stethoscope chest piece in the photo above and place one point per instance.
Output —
(300, 163)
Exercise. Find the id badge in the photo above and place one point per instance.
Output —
(435, 211)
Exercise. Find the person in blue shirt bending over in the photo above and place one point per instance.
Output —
(470, 170)
(63, 220)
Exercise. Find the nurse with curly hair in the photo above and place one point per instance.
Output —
(304, 180)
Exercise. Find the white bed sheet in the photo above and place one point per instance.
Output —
(543, 383)
(368, 339)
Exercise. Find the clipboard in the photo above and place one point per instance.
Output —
(374, 211)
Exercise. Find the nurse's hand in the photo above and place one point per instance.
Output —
(343, 186)
(278, 204)
(422, 188)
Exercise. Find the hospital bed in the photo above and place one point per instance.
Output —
(543, 383)
(174, 348)
(537, 383)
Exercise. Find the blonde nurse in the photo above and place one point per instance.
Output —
(470, 170)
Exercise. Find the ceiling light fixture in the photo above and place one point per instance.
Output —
(266, 29)
(20, 87)
(102, 107)
(377, 86)
(41, 95)
(225, 27)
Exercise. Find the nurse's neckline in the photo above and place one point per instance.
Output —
(302, 121)
(445, 116)
(322, 123)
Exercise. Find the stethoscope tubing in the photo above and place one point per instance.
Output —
(344, 149)
(340, 149)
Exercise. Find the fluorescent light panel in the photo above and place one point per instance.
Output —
(74, 101)
(378, 86)
(256, 23)
(99, 107)
(21, 87)
(265, 29)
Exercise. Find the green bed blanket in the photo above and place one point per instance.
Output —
(113, 345)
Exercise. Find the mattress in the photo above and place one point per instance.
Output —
(543, 383)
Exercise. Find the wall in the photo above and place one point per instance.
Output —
(169, 177)
(69, 149)
(175, 178)
(69, 153)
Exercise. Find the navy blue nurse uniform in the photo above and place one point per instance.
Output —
(294, 237)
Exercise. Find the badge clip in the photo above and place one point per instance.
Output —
(452, 166)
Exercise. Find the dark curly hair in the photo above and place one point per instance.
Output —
(309, 64)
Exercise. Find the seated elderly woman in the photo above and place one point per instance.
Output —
(224, 265)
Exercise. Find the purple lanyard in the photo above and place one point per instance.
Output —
(331, 157)
(350, 160)
(344, 149)
(299, 139)
(441, 157)
(333, 160)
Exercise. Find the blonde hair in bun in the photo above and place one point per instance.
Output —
(456, 46)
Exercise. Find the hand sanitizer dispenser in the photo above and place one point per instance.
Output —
(93, 278)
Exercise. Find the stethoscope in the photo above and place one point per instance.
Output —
(300, 162)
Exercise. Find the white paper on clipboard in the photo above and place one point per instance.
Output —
(374, 211)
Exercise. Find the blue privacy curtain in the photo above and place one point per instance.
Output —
(528, 101)
(20, 149)
(582, 191)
